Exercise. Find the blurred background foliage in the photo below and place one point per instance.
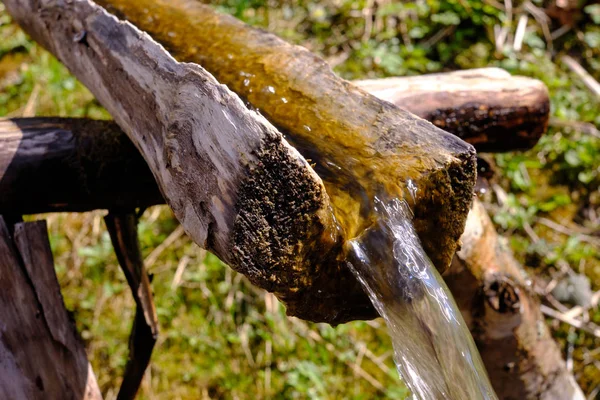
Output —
(223, 338)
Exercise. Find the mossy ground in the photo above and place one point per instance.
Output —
(223, 338)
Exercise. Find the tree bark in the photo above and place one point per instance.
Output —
(503, 314)
(41, 356)
(234, 183)
(486, 107)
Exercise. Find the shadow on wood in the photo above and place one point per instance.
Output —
(41, 356)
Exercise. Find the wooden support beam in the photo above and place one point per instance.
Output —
(122, 227)
(503, 314)
(41, 355)
(235, 184)
(68, 164)
(486, 107)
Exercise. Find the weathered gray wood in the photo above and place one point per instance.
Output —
(491, 289)
(486, 107)
(41, 356)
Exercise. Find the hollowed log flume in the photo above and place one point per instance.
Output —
(59, 164)
(234, 183)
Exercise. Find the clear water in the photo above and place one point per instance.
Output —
(434, 351)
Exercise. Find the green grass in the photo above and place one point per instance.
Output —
(223, 338)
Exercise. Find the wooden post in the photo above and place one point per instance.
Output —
(503, 313)
(41, 356)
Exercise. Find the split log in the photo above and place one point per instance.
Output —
(361, 146)
(503, 314)
(235, 184)
(41, 356)
(486, 107)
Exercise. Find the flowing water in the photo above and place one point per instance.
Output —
(434, 351)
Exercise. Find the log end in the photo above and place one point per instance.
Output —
(286, 241)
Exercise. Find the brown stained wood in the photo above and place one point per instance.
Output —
(122, 227)
(41, 356)
(237, 187)
(503, 313)
(486, 107)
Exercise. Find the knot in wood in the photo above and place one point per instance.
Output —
(502, 295)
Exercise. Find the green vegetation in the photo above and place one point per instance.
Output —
(223, 338)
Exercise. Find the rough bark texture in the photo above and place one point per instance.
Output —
(361, 146)
(487, 107)
(208, 153)
(41, 356)
(503, 313)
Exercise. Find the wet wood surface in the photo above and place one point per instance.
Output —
(503, 313)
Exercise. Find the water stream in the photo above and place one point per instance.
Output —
(433, 348)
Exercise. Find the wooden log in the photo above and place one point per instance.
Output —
(41, 356)
(503, 313)
(67, 164)
(361, 146)
(486, 107)
(237, 187)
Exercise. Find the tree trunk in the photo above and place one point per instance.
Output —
(41, 356)
(234, 183)
(503, 314)
(486, 107)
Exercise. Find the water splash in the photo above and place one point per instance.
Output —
(434, 351)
